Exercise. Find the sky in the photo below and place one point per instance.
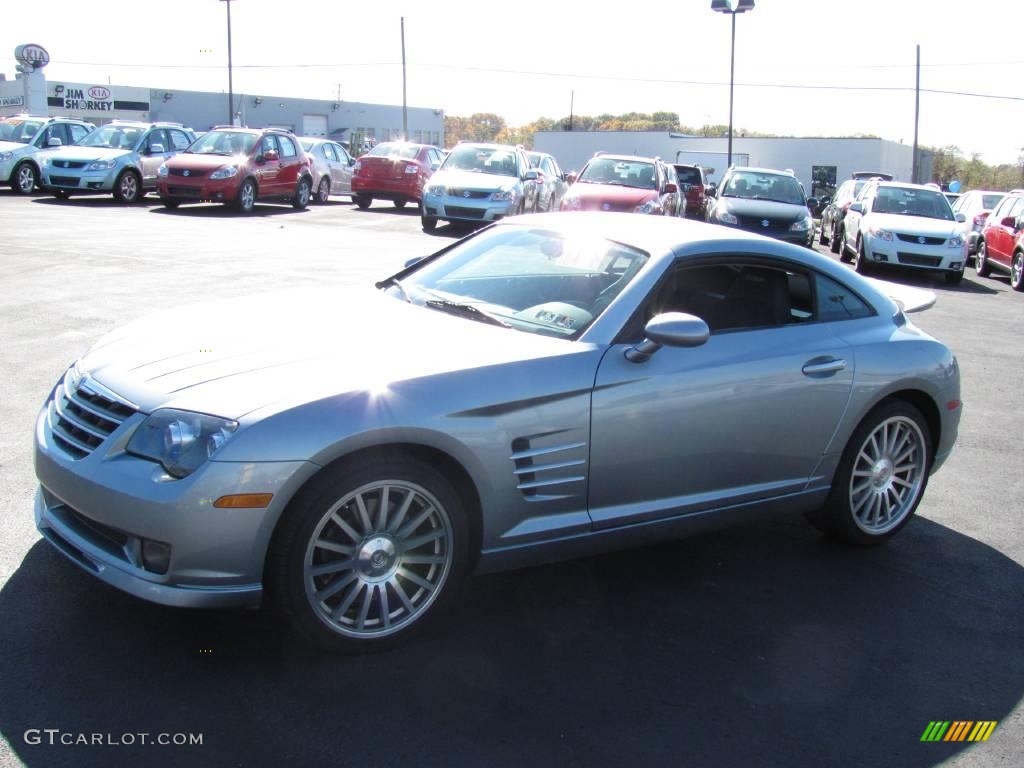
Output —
(847, 67)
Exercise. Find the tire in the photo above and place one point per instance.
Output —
(246, 199)
(398, 203)
(864, 506)
(323, 191)
(172, 204)
(61, 194)
(1017, 272)
(24, 179)
(954, 278)
(362, 201)
(822, 240)
(373, 590)
(128, 187)
(835, 243)
(429, 223)
(861, 263)
(981, 265)
(303, 193)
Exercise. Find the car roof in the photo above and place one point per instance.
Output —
(610, 156)
(755, 169)
(907, 185)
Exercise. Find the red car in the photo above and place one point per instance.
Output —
(695, 183)
(621, 183)
(1001, 242)
(395, 171)
(238, 166)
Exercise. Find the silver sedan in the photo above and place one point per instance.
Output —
(548, 387)
(331, 167)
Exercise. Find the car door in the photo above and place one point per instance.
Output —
(999, 242)
(341, 169)
(292, 164)
(268, 168)
(744, 417)
(154, 151)
(852, 219)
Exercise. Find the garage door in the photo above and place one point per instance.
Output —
(314, 125)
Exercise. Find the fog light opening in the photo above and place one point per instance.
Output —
(156, 556)
(880, 257)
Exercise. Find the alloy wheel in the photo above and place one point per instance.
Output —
(324, 190)
(129, 187)
(26, 180)
(248, 196)
(1017, 272)
(888, 475)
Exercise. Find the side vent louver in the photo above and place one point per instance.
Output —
(546, 470)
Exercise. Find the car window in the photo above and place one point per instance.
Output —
(268, 144)
(157, 136)
(18, 130)
(687, 175)
(288, 148)
(179, 139)
(329, 153)
(624, 173)
(754, 185)
(988, 202)
(395, 149)
(78, 132)
(342, 153)
(909, 201)
(837, 302)
(498, 161)
(55, 131)
(1016, 209)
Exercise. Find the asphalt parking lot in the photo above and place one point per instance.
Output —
(760, 645)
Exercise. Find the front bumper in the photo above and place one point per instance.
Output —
(79, 179)
(899, 253)
(101, 510)
(453, 208)
(6, 169)
(185, 189)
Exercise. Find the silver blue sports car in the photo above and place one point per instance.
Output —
(550, 386)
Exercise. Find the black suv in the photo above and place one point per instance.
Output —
(765, 201)
(834, 213)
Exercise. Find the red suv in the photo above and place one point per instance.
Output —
(238, 166)
(395, 171)
(1001, 241)
(695, 184)
(622, 183)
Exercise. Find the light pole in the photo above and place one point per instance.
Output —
(231, 87)
(732, 7)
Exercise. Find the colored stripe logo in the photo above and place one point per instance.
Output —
(959, 730)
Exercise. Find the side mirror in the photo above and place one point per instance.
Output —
(961, 218)
(671, 189)
(531, 175)
(570, 177)
(413, 261)
(670, 329)
(270, 156)
(857, 207)
(53, 141)
(351, 160)
(711, 191)
(1009, 221)
(812, 203)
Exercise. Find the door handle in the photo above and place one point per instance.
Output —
(822, 367)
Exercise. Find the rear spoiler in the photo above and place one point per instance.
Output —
(907, 297)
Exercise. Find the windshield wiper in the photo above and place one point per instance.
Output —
(398, 284)
(465, 310)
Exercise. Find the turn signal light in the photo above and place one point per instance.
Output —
(244, 501)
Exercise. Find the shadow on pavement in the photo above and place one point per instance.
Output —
(222, 211)
(760, 645)
(98, 200)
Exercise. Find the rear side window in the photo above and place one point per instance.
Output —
(837, 302)
(287, 146)
(988, 202)
(687, 175)
(329, 152)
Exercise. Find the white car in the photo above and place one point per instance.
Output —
(904, 225)
(24, 137)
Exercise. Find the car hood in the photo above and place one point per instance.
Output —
(765, 209)
(913, 225)
(273, 351)
(612, 193)
(199, 162)
(472, 180)
(87, 154)
(12, 146)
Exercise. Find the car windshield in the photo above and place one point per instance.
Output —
(395, 149)
(527, 278)
(19, 131)
(535, 159)
(989, 202)
(624, 173)
(687, 175)
(494, 160)
(752, 185)
(906, 201)
(114, 137)
(223, 143)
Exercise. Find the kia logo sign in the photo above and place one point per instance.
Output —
(32, 55)
(99, 93)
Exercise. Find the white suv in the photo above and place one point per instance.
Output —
(904, 225)
(24, 137)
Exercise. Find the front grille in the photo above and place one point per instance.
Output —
(185, 191)
(68, 164)
(756, 224)
(65, 181)
(468, 194)
(110, 540)
(921, 239)
(186, 172)
(464, 213)
(597, 205)
(917, 260)
(81, 419)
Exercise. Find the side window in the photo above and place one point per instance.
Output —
(179, 140)
(78, 132)
(1017, 209)
(56, 131)
(268, 144)
(329, 153)
(836, 302)
(287, 146)
(158, 136)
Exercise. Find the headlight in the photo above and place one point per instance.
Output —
(724, 217)
(650, 206)
(435, 189)
(224, 173)
(504, 194)
(800, 226)
(162, 171)
(881, 234)
(955, 242)
(180, 440)
(6, 155)
(101, 165)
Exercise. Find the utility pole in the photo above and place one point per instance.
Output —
(405, 110)
(572, 98)
(231, 86)
(917, 118)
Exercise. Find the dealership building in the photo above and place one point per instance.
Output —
(31, 92)
(819, 163)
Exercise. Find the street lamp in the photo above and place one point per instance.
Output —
(732, 7)
(231, 88)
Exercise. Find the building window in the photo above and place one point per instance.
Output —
(823, 180)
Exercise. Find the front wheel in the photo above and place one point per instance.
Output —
(302, 194)
(246, 199)
(861, 264)
(24, 179)
(1017, 272)
(366, 556)
(822, 240)
(954, 278)
(835, 244)
(398, 203)
(881, 476)
(362, 201)
(61, 194)
(128, 187)
(429, 223)
(172, 204)
(981, 265)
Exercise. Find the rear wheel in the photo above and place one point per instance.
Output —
(836, 242)
(429, 223)
(954, 278)
(822, 240)
(398, 203)
(881, 476)
(61, 194)
(362, 201)
(172, 204)
(246, 199)
(303, 193)
(861, 264)
(24, 179)
(128, 187)
(323, 192)
(981, 265)
(1017, 272)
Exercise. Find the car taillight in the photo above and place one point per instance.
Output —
(979, 220)
(846, 206)
(411, 168)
